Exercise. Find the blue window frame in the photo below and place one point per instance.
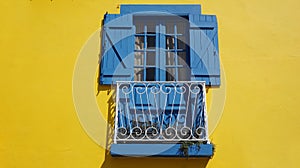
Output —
(155, 46)
(156, 55)
(160, 49)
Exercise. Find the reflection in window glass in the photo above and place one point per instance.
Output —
(150, 27)
(138, 58)
(170, 42)
(150, 74)
(150, 58)
(170, 58)
(183, 74)
(139, 28)
(181, 28)
(150, 42)
(169, 28)
(139, 42)
(182, 58)
(180, 43)
(138, 74)
(170, 74)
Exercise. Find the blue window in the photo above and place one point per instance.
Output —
(161, 58)
(159, 46)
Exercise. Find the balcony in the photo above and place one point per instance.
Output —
(152, 116)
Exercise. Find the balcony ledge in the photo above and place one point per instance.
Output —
(160, 150)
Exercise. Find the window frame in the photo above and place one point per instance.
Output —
(162, 69)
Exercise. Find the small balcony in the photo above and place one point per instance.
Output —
(157, 118)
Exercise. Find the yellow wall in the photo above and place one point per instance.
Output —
(40, 41)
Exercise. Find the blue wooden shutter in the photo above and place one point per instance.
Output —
(117, 49)
(204, 50)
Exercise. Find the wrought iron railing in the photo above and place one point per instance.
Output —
(159, 112)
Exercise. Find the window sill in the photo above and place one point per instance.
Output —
(160, 150)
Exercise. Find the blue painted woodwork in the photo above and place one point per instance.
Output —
(204, 53)
(118, 36)
(160, 150)
(117, 49)
(140, 45)
(173, 9)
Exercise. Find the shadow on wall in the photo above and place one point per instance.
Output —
(150, 162)
(131, 162)
(145, 162)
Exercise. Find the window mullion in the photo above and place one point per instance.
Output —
(176, 56)
(157, 52)
(145, 52)
(162, 52)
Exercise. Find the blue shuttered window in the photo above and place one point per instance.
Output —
(123, 60)
(160, 57)
(160, 49)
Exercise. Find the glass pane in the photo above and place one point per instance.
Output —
(150, 58)
(138, 58)
(139, 43)
(170, 74)
(139, 28)
(169, 28)
(181, 58)
(180, 43)
(150, 42)
(138, 74)
(170, 58)
(150, 74)
(181, 28)
(183, 74)
(170, 43)
(150, 27)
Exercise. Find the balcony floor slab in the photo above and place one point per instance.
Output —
(160, 150)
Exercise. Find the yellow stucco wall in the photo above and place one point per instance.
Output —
(40, 41)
